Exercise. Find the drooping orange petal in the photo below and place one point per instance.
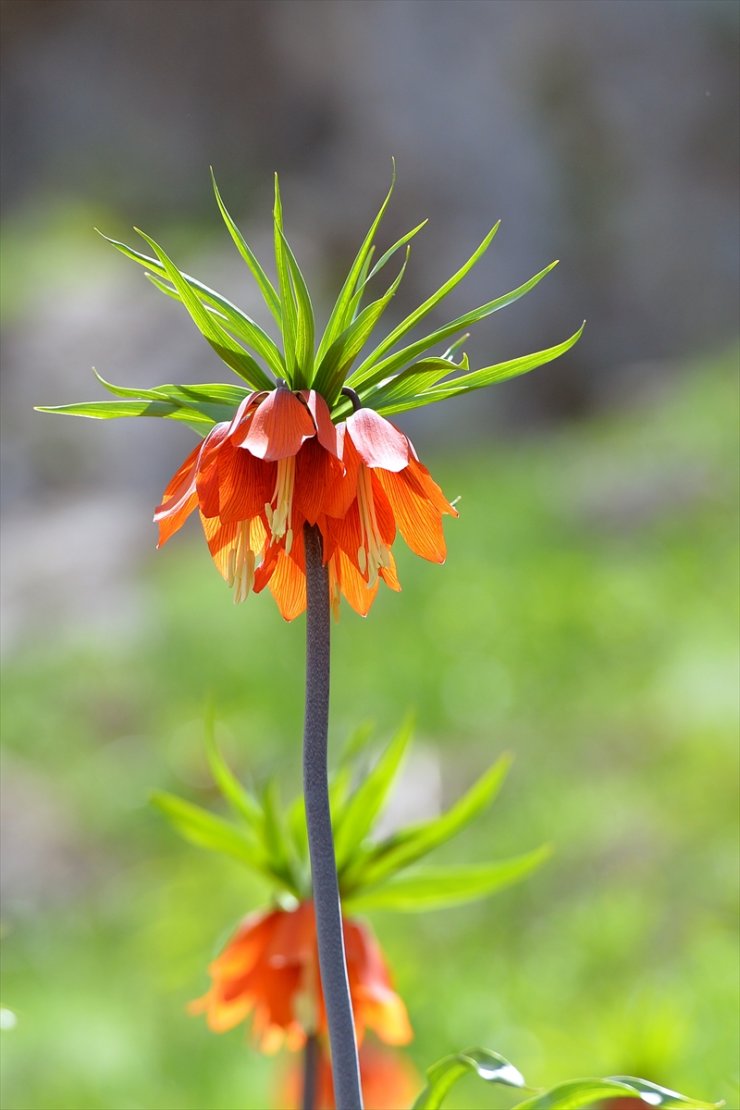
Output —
(280, 424)
(170, 521)
(383, 511)
(317, 475)
(178, 499)
(288, 586)
(245, 484)
(246, 946)
(351, 583)
(206, 484)
(223, 1015)
(293, 939)
(239, 423)
(389, 575)
(378, 442)
(181, 481)
(221, 539)
(384, 1012)
(419, 522)
(326, 431)
(427, 487)
(346, 533)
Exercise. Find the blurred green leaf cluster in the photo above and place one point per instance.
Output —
(274, 843)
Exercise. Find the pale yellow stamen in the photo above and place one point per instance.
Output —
(279, 509)
(241, 564)
(373, 553)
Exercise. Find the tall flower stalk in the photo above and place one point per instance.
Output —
(301, 483)
(332, 959)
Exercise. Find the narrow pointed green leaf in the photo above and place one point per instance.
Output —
(143, 394)
(305, 326)
(414, 842)
(295, 820)
(111, 410)
(223, 399)
(214, 833)
(361, 283)
(266, 287)
(355, 744)
(211, 402)
(434, 888)
(372, 362)
(367, 275)
(241, 801)
(418, 378)
(582, 1094)
(442, 1076)
(237, 321)
(456, 345)
(651, 1093)
(372, 371)
(367, 801)
(385, 258)
(477, 379)
(333, 369)
(488, 375)
(289, 312)
(276, 840)
(228, 350)
(341, 313)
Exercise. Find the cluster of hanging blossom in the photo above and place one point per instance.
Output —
(269, 973)
(281, 463)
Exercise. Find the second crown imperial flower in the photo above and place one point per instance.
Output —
(281, 463)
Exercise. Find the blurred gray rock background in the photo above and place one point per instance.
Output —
(601, 132)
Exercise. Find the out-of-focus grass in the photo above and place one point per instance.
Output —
(585, 621)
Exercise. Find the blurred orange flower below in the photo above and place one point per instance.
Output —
(389, 1081)
(269, 971)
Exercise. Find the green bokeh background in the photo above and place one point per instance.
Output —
(586, 621)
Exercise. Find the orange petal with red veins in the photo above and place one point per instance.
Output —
(317, 473)
(340, 495)
(418, 521)
(279, 426)
(239, 423)
(378, 442)
(326, 431)
(427, 487)
(352, 584)
(173, 519)
(206, 484)
(389, 576)
(181, 481)
(221, 539)
(383, 512)
(346, 533)
(288, 586)
(245, 484)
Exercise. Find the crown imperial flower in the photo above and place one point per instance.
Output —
(269, 971)
(308, 443)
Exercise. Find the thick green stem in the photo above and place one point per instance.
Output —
(332, 962)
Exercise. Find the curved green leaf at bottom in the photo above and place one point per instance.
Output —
(443, 1075)
(580, 1094)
